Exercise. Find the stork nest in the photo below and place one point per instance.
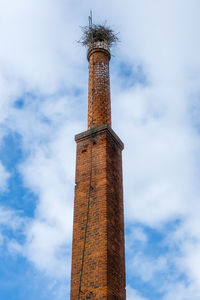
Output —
(98, 33)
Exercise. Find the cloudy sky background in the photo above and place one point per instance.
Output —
(155, 85)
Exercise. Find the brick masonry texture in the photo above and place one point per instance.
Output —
(98, 258)
(99, 107)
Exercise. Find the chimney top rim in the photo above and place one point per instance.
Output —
(100, 46)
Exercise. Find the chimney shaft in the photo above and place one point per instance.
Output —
(99, 106)
(98, 254)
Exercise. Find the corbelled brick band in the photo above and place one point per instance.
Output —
(98, 259)
(99, 107)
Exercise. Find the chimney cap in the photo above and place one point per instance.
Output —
(100, 46)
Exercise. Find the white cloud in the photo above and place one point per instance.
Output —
(147, 268)
(4, 176)
(133, 294)
(161, 157)
(10, 220)
(182, 292)
(49, 172)
(40, 71)
(36, 31)
(1, 239)
(136, 234)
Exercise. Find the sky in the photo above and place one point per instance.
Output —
(155, 76)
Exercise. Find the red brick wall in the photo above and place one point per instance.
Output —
(98, 262)
(99, 107)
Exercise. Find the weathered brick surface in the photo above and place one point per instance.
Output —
(98, 259)
(100, 270)
(99, 107)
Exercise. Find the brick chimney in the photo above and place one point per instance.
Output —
(98, 257)
(99, 108)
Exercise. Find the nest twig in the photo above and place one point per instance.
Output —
(98, 33)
